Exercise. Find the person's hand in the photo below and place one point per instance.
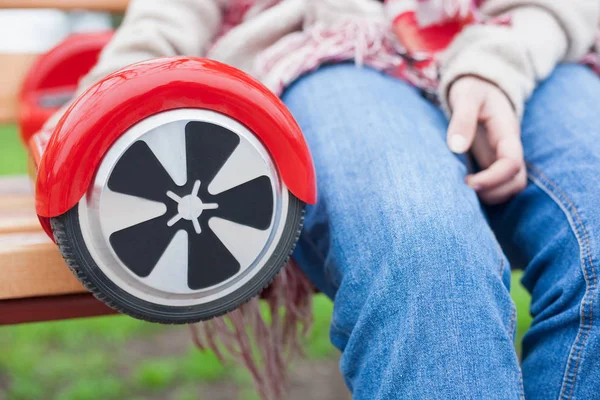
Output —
(484, 121)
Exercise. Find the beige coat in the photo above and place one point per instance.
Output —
(542, 34)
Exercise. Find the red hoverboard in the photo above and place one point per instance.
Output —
(175, 188)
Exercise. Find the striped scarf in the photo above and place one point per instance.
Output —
(365, 42)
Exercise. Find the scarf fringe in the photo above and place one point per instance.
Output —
(364, 42)
(264, 342)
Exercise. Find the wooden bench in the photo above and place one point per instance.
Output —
(14, 66)
(35, 283)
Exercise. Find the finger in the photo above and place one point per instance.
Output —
(501, 171)
(510, 146)
(505, 192)
(500, 121)
(463, 125)
(482, 151)
(509, 153)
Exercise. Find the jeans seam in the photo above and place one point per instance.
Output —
(586, 262)
(521, 386)
(513, 322)
(502, 262)
(339, 330)
(513, 326)
(305, 237)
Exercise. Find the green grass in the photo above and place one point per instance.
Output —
(156, 374)
(71, 359)
(94, 358)
(319, 345)
(89, 359)
(12, 152)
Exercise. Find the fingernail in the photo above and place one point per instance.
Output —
(471, 184)
(457, 144)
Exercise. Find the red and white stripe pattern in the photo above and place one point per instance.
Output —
(364, 42)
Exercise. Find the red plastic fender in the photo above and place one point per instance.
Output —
(57, 72)
(113, 105)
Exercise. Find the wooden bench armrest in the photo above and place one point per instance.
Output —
(35, 282)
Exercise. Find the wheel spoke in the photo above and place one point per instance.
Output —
(208, 148)
(139, 173)
(174, 220)
(140, 247)
(119, 211)
(196, 225)
(248, 204)
(170, 273)
(173, 196)
(244, 165)
(167, 142)
(244, 242)
(210, 262)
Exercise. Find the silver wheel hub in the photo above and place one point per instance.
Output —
(190, 207)
(164, 228)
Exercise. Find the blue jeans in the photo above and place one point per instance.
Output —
(419, 270)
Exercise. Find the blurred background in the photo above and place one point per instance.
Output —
(118, 357)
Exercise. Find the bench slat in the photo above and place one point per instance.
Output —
(13, 68)
(15, 186)
(16, 206)
(16, 214)
(35, 283)
(30, 264)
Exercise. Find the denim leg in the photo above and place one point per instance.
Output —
(420, 287)
(552, 230)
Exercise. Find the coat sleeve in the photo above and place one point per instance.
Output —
(514, 57)
(155, 28)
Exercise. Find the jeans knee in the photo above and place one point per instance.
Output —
(421, 241)
(432, 292)
(452, 256)
(420, 268)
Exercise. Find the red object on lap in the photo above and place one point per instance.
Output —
(430, 39)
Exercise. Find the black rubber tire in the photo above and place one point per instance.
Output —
(68, 236)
